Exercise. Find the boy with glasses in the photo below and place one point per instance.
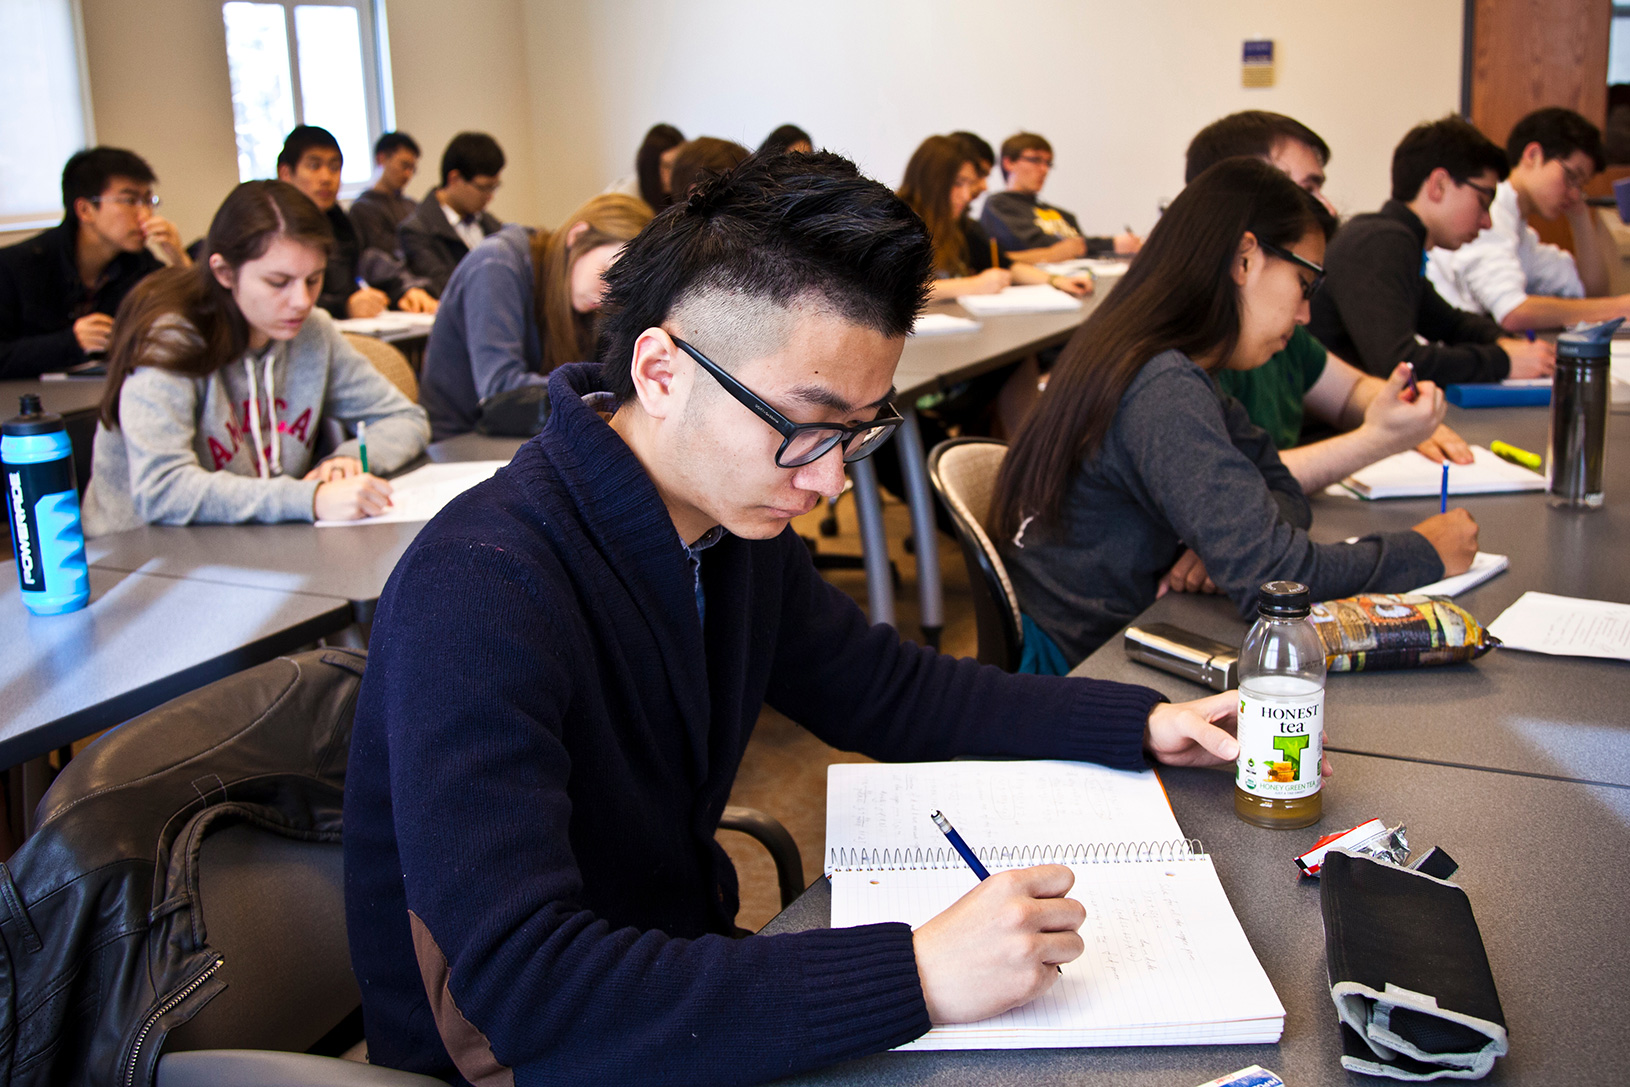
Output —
(453, 218)
(568, 662)
(1507, 272)
(1376, 298)
(60, 289)
(1030, 230)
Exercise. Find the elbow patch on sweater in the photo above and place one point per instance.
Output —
(468, 1047)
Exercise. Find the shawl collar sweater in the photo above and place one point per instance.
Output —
(544, 743)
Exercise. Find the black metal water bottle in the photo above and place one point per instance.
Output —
(1579, 401)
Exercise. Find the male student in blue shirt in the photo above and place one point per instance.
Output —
(568, 663)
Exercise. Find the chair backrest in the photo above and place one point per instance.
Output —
(388, 361)
(962, 472)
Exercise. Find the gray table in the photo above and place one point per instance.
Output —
(1524, 713)
(930, 364)
(1541, 862)
(350, 563)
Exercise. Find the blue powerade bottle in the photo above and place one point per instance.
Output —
(43, 505)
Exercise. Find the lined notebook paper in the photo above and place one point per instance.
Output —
(1166, 961)
(420, 494)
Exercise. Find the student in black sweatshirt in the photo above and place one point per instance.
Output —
(1377, 299)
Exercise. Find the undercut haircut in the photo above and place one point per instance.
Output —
(781, 231)
(87, 173)
(392, 142)
(1020, 142)
(306, 138)
(473, 155)
(978, 150)
(1450, 143)
(1253, 133)
(1559, 132)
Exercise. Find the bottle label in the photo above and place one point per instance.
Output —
(1281, 737)
(25, 485)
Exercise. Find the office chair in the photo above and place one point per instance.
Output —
(388, 360)
(962, 472)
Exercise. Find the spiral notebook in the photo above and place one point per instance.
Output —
(1166, 961)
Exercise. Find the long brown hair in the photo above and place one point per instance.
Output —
(213, 331)
(1178, 295)
(926, 189)
(568, 336)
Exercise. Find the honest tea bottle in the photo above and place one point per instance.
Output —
(43, 504)
(1281, 713)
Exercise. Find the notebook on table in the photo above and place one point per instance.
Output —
(1166, 961)
(1031, 298)
(1411, 475)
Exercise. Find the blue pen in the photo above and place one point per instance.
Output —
(1409, 386)
(962, 848)
(1443, 495)
(1530, 334)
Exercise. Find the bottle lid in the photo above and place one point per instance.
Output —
(1284, 600)
(32, 419)
(1588, 341)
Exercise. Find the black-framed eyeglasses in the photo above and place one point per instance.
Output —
(1485, 195)
(804, 443)
(130, 200)
(1310, 287)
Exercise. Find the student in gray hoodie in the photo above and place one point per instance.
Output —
(220, 374)
(1135, 475)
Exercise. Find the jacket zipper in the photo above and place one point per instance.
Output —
(163, 1010)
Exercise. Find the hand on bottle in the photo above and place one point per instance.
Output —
(996, 947)
(352, 497)
(1454, 536)
(1194, 733)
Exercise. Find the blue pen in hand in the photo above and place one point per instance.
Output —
(962, 849)
(1443, 494)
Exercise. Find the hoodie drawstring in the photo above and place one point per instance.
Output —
(275, 467)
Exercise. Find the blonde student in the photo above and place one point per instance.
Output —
(219, 376)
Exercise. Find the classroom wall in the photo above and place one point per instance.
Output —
(1117, 87)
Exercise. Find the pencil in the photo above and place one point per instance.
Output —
(995, 255)
(961, 846)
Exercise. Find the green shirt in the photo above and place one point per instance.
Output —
(1273, 392)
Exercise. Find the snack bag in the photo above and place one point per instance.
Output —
(1397, 630)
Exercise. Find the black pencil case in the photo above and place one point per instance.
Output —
(1408, 973)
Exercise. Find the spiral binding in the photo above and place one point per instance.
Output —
(910, 860)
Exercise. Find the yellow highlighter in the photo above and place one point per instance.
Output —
(1531, 461)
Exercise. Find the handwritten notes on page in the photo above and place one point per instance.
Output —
(1565, 626)
(420, 494)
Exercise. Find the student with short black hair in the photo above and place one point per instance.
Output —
(452, 219)
(356, 283)
(1377, 305)
(1030, 229)
(787, 139)
(1507, 272)
(569, 660)
(1132, 456)
(1377, 418)
(379, 210)
(60, 289)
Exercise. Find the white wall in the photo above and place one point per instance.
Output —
(1118, 86)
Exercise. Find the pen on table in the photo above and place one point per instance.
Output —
(1443, 495)
(962, 849)
(1504, 451)
(362, 445)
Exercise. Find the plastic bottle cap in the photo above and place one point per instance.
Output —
(1591, 343)
(1284, 600)
(32, 419)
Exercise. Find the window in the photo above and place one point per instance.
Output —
(317, 62)
(47, 115)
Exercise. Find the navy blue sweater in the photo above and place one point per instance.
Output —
(544, 743)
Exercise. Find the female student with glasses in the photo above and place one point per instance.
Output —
(220, 374)
(1133, 461)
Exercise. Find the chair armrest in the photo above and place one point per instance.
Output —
(768, 831)
(268, 1068)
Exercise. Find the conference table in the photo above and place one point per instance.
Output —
(1517, 765)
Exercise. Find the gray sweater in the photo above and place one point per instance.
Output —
(1184, 465)
(184, 451)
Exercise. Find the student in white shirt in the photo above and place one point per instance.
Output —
(1507, 272)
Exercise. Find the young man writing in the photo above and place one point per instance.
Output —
(568, 662)
(1029, 229)
(453, 219)
(1507, 272)
(60, 289)
(1377, 417)
(311, 162)
(380, 209)
(1376, 298)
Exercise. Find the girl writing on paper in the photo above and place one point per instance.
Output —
(1134, 475)
(939, 184)
(219, 376)
(522, 303)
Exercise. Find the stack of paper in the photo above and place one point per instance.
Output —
(420, 494)
(1099, 267)
(1034, 298)
(1565, 626)
(1411, 475)
(1484, 566)
(387, 323)
(942, 324)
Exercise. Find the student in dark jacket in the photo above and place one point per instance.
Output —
(1377, 299)
(1033, 230)
(355, 284)
(379, 210)
(1134, 475)
(569, 660)
(60, 289)
(452, 219)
